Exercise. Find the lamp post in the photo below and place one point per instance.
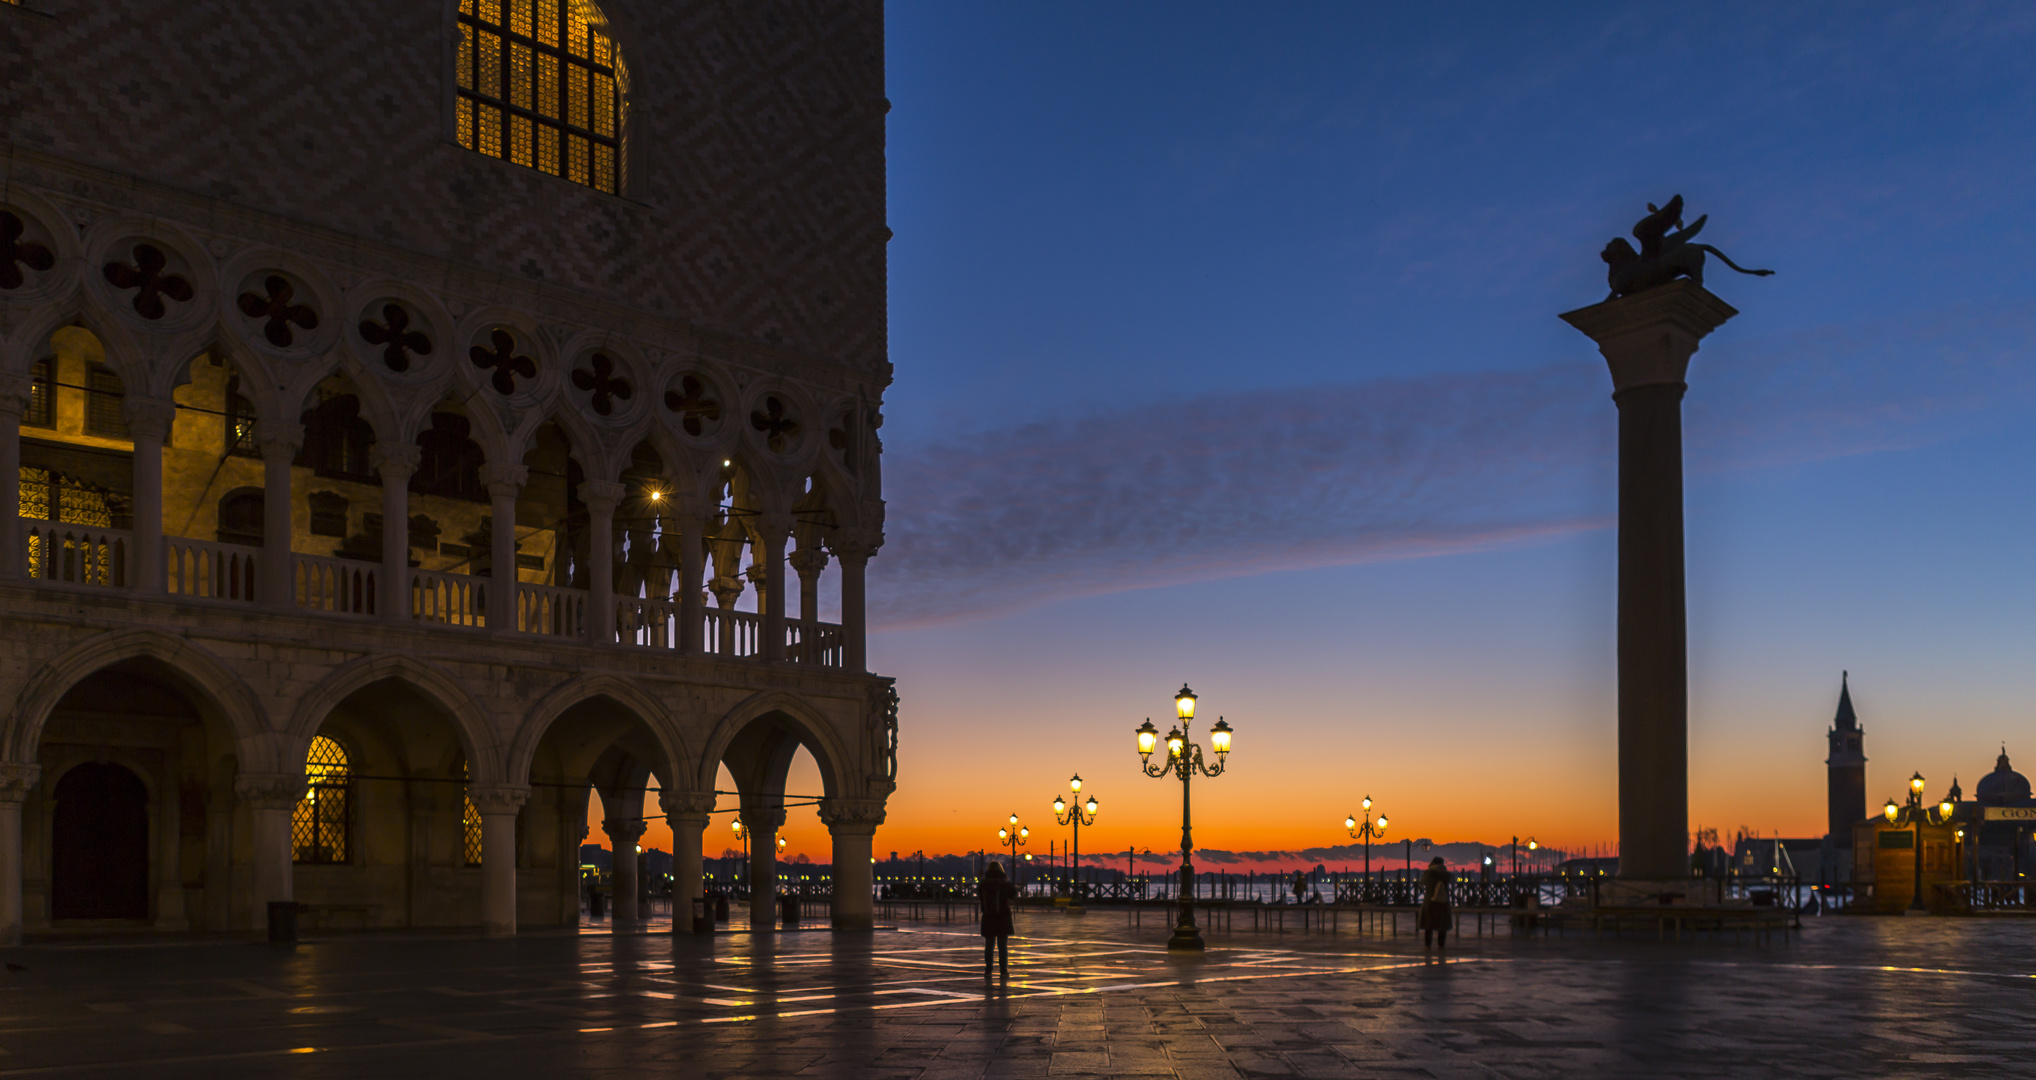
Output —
(1184, 760)
(1914, 814)
(1367, 830)
(742, 833)
(1014, 838)
(1075, 816)
(1533, 847)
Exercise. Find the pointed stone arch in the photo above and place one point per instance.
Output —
(470, 720)
(836, 760)
(219, 685)
(531, 731)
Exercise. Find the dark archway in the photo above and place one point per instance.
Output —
(99, 861)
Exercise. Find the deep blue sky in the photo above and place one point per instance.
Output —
(1227, 351)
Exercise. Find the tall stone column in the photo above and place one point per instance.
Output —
(498, 805)
(763, 865)
(853, 824)
(809, 561)
(277, 587)
(1648, 339)
(505, 483)
(601, 497)
(853, 548)
(772, 532)
(16, 781)
(687, 812)
(622, 877)
(271, 798)
(13, 564)
(396, 464)
(692, 563)
(148, 424)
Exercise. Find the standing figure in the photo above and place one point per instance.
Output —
(1300, 885)
(996, 894)
(1434, 919)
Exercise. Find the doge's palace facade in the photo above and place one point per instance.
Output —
(418, 414)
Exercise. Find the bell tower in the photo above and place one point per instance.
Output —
(1847, 765)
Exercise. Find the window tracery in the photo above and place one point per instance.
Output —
(321, 829)
(470, 821)
(541, 84)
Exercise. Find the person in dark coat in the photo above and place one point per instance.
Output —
(996, 894)
(1434, 919)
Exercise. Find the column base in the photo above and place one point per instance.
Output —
(1185, 939)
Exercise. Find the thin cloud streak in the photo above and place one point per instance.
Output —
(1252, 481)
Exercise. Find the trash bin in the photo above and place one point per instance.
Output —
(720, 907)
(788, 911)
(282, 921)
(596, 906)
(703, 915)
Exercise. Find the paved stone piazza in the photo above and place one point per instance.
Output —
(1088, 995)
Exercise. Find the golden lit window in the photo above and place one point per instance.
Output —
(541, 84)
(41, 410)
(321, 829)
(470, 824)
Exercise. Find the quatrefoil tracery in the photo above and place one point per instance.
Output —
(504, 361)
(16, 253)
(696, 410)
(393, 333)
(602, 383)
(777, 427)
(278, 310)
(148, 277)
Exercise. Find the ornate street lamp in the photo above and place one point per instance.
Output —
(1915, 814)
(1184, 760)
(1367, 830)
(742, 833)
(1014, 838)
(1075, 816)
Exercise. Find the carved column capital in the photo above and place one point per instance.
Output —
(498, 798)
(148, 419)
(855, 545)
(504, 480)
(774, 529)
(279, 440)
(602, 496)
(394, 461)
(269, 791)
(763, 820)
(624, 832)
(14, 394)
(16, 781)
(852, 816)
(688, 805)
(808, 562)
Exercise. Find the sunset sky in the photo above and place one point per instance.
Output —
(1227, 353)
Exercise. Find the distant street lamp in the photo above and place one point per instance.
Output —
(1075, 817)
(1184, 760)
(1367, 830)
(1014, 838)
(742, 833)
(1914, 813)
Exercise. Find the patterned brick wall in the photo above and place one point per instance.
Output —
(755, 202)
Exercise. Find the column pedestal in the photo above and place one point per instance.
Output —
(498, 805)
(1647, 340)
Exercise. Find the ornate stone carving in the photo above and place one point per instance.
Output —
(148, 276)
(498, 798)
(395, 460)
(855, 545)
(504, 480)
(697, 412)
(599, 381)
(624, 832)
(399, 343)
(16, 781)
(148, 416)
(602, 496)
(882, 729)
(686, 804)
(852, 815)
(277, 310)
(1663, 256)
(269, 791)
(16, 253)
(776, 423)
(808, 561)
(504, 361)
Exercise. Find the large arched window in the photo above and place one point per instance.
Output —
(541, 84)
(321, 830)
(470, 821)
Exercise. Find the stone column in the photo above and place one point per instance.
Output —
(809, 561)
(853, 824)
(687, 812)
(763, 865)
(853, 548)
(13, 563)
(1648, 339)
(622, 877)
(16, 781)
(277, 584)
(505, 483)
(601, 497)
(498, 805)
(772, 532)
(396, 464)
(271, 798)
(148, 424)
(692, 563)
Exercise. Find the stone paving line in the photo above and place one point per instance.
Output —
(1088, 996)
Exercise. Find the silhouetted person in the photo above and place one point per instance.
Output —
(1300, 885)
(996, 894)
(1434, 918)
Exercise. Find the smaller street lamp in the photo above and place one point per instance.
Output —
(1076, 817)
(1366, 829)
(1014, 838)
(1915, 814)
(742, 833)
(1183, 761)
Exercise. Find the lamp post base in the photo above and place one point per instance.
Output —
(1185, 939)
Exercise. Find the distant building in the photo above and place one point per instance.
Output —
(1845, 793)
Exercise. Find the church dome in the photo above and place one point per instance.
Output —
(2002, 786)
